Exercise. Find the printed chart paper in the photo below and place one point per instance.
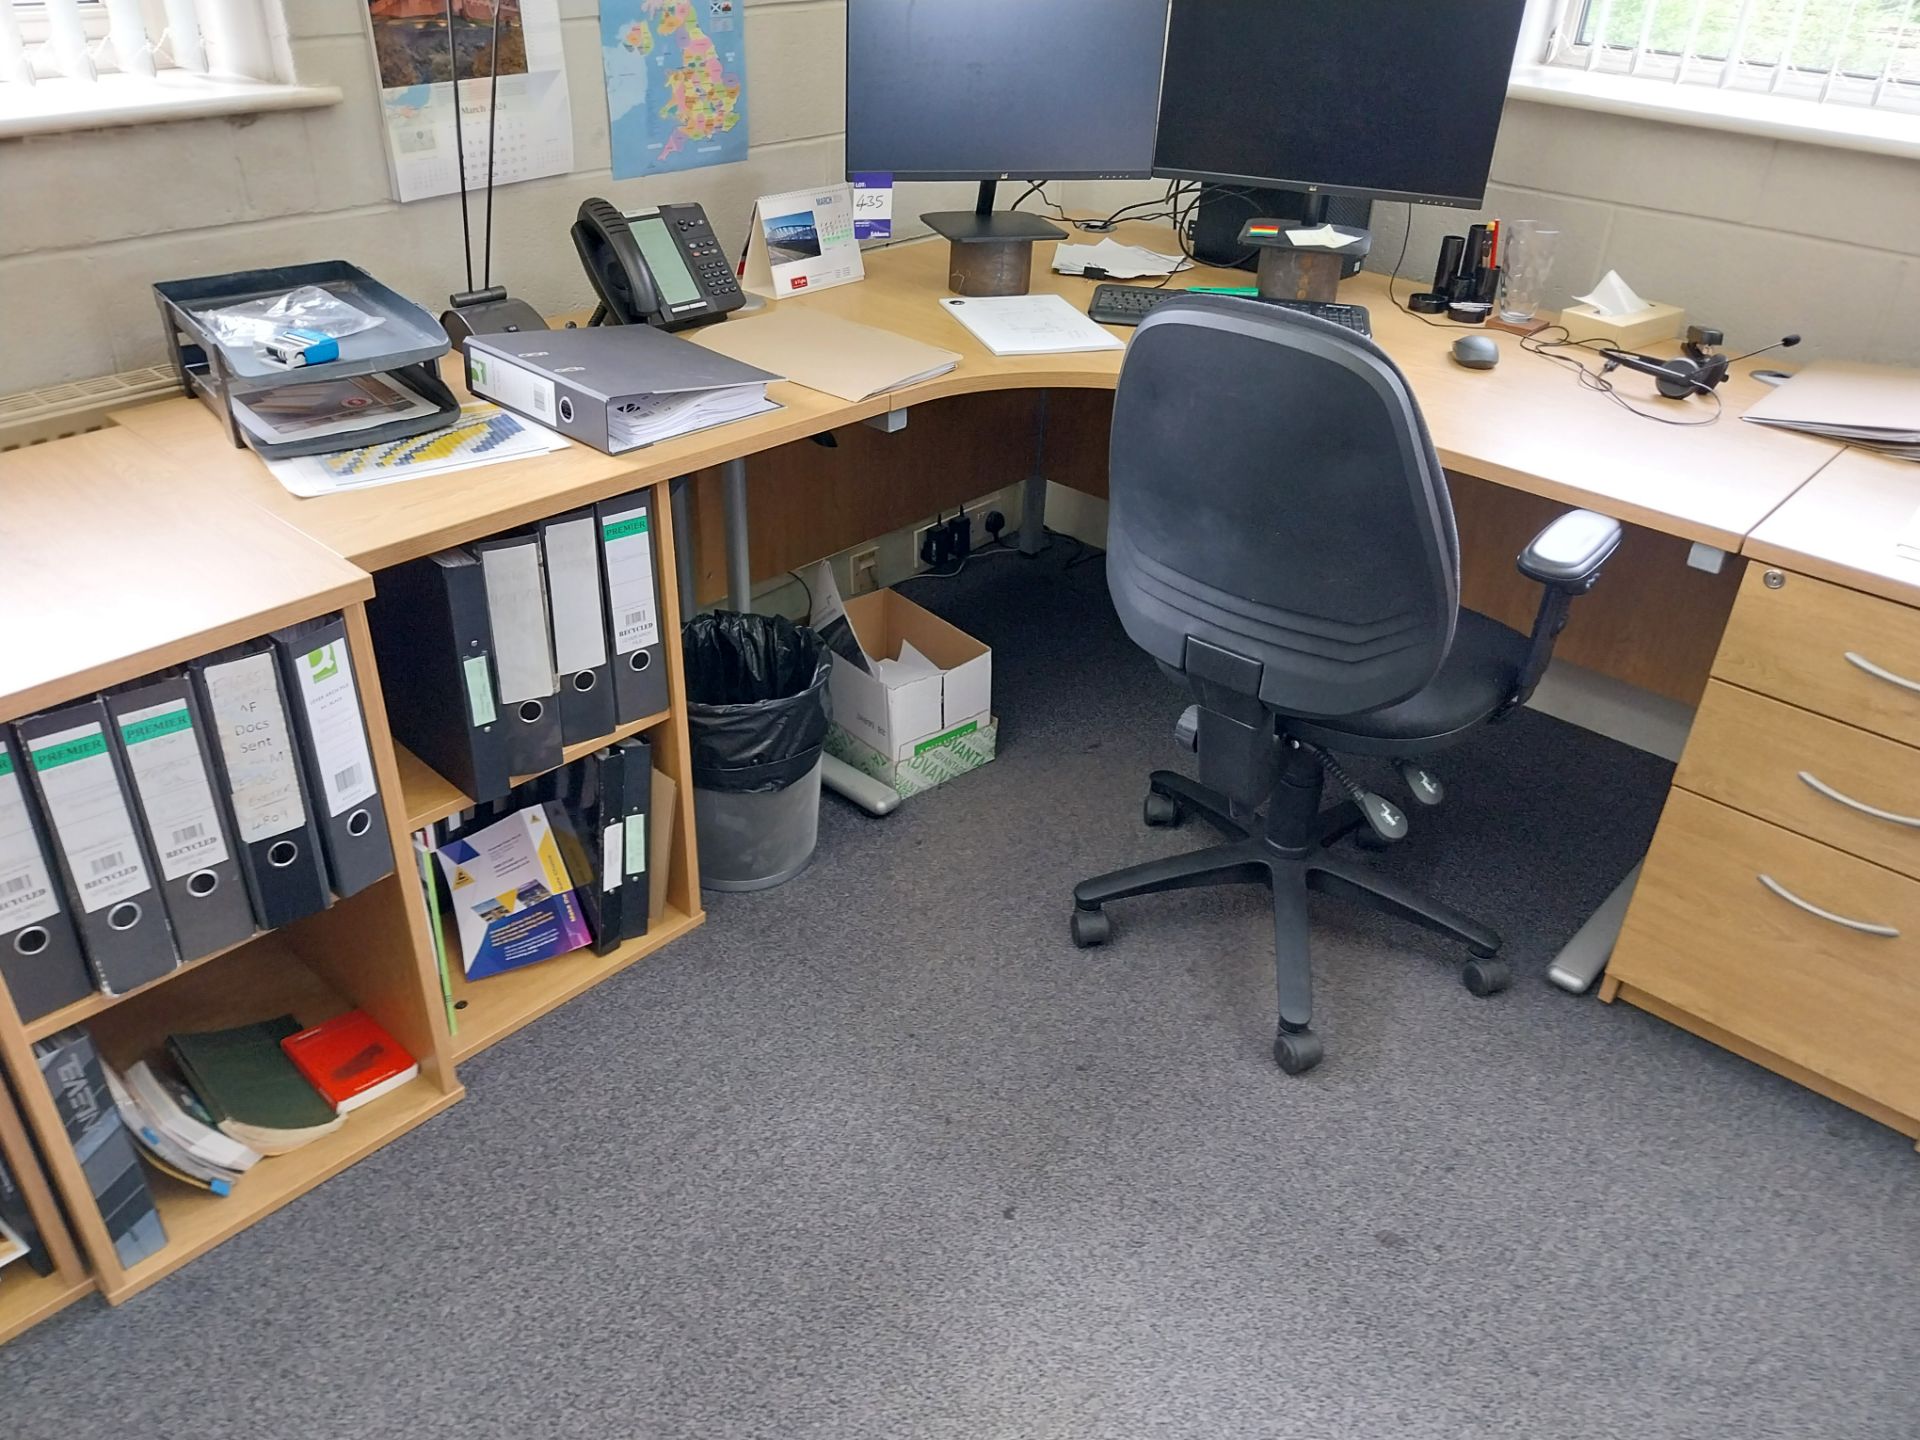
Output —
(676, 83)
(533, 129)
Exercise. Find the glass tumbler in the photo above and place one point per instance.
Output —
(1524, 267)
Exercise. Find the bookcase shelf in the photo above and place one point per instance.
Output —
(428, 796)
(265, 977)
(492, 1009)
(26, 1298)
(196, 1220)
(88, 1006)
(128, 594)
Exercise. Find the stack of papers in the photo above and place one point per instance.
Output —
(328, 407)
(1874, 406)
(1029, 324)
(826, 353)
(484, 435)
(1120, 262)
(649, 419)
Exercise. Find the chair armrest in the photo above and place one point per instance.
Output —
(1565, 558)
(1568, 554)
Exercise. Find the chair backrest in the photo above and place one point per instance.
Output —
(1274, 495)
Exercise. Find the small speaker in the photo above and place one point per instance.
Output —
(1224, 209)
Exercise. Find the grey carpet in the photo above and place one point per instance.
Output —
(880, 1155)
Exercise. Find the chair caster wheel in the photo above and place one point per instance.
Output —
(1160, 810)
(1297, 1051)
(1486, 976)
(1090, 928)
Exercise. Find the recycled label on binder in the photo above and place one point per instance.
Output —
(479, 690)
(89, 814)
(629, 549)
(182, 820)
(26, 889)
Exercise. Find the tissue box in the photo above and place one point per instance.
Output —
(1635, 330)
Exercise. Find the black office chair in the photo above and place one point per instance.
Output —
(1280, 538)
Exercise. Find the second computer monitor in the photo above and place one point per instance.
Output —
(1393, 99)
(992, 89)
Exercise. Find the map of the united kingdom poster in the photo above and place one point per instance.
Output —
(676, 83)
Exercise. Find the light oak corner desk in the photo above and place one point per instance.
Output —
(1521, 443)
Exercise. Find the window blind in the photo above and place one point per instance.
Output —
(83, 40)
(1848, 52)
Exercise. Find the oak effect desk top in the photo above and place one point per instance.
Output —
(1528, 425)
(1841, 525)
(104, 579)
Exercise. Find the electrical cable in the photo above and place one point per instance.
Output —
(493, 112)
(1597, 381)
(459, 144)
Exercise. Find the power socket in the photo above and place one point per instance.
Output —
(933, 544)
(960, 536)
(863, 566)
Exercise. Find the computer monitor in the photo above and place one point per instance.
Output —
(1388, 99)
(1003, 89)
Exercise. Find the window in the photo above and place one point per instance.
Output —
(1837, 52)
(78, 64)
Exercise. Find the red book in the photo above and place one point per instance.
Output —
(350, 1060)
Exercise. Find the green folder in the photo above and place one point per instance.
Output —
(244, 1076)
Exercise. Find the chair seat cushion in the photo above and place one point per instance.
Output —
(1479, 675)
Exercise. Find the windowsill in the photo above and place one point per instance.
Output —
(60, 104)
(1845, 127)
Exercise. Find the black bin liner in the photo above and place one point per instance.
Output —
(756, 700)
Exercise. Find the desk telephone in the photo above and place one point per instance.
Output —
(659, 266)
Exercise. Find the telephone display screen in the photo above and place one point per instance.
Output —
(670, 273)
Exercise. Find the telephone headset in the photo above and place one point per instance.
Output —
(1698, 371)
(659, 266)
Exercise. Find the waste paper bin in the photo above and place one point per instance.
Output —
(757, 719)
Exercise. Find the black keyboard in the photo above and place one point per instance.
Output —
(1130, 304)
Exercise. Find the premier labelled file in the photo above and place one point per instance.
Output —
(163, 744)
(40, 957)
(629, 560)
(246, 710)
(108, 874)
(331, 726)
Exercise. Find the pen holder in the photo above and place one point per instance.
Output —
(1293, 271)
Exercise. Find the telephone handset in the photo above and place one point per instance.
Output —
(660, 266)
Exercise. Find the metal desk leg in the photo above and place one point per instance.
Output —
(679, 490)
(1582, 958)
(1033, 499)
(733, 501)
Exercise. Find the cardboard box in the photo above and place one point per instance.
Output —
(914, 707)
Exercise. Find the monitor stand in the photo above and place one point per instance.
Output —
(990, 252)
(1223, 210)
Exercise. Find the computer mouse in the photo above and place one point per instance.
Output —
(1476, 352)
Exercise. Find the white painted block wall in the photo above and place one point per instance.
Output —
(1755, 236)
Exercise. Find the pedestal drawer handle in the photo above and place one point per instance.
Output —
(1886, 932)
(1814, 781)
(1879, 673)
